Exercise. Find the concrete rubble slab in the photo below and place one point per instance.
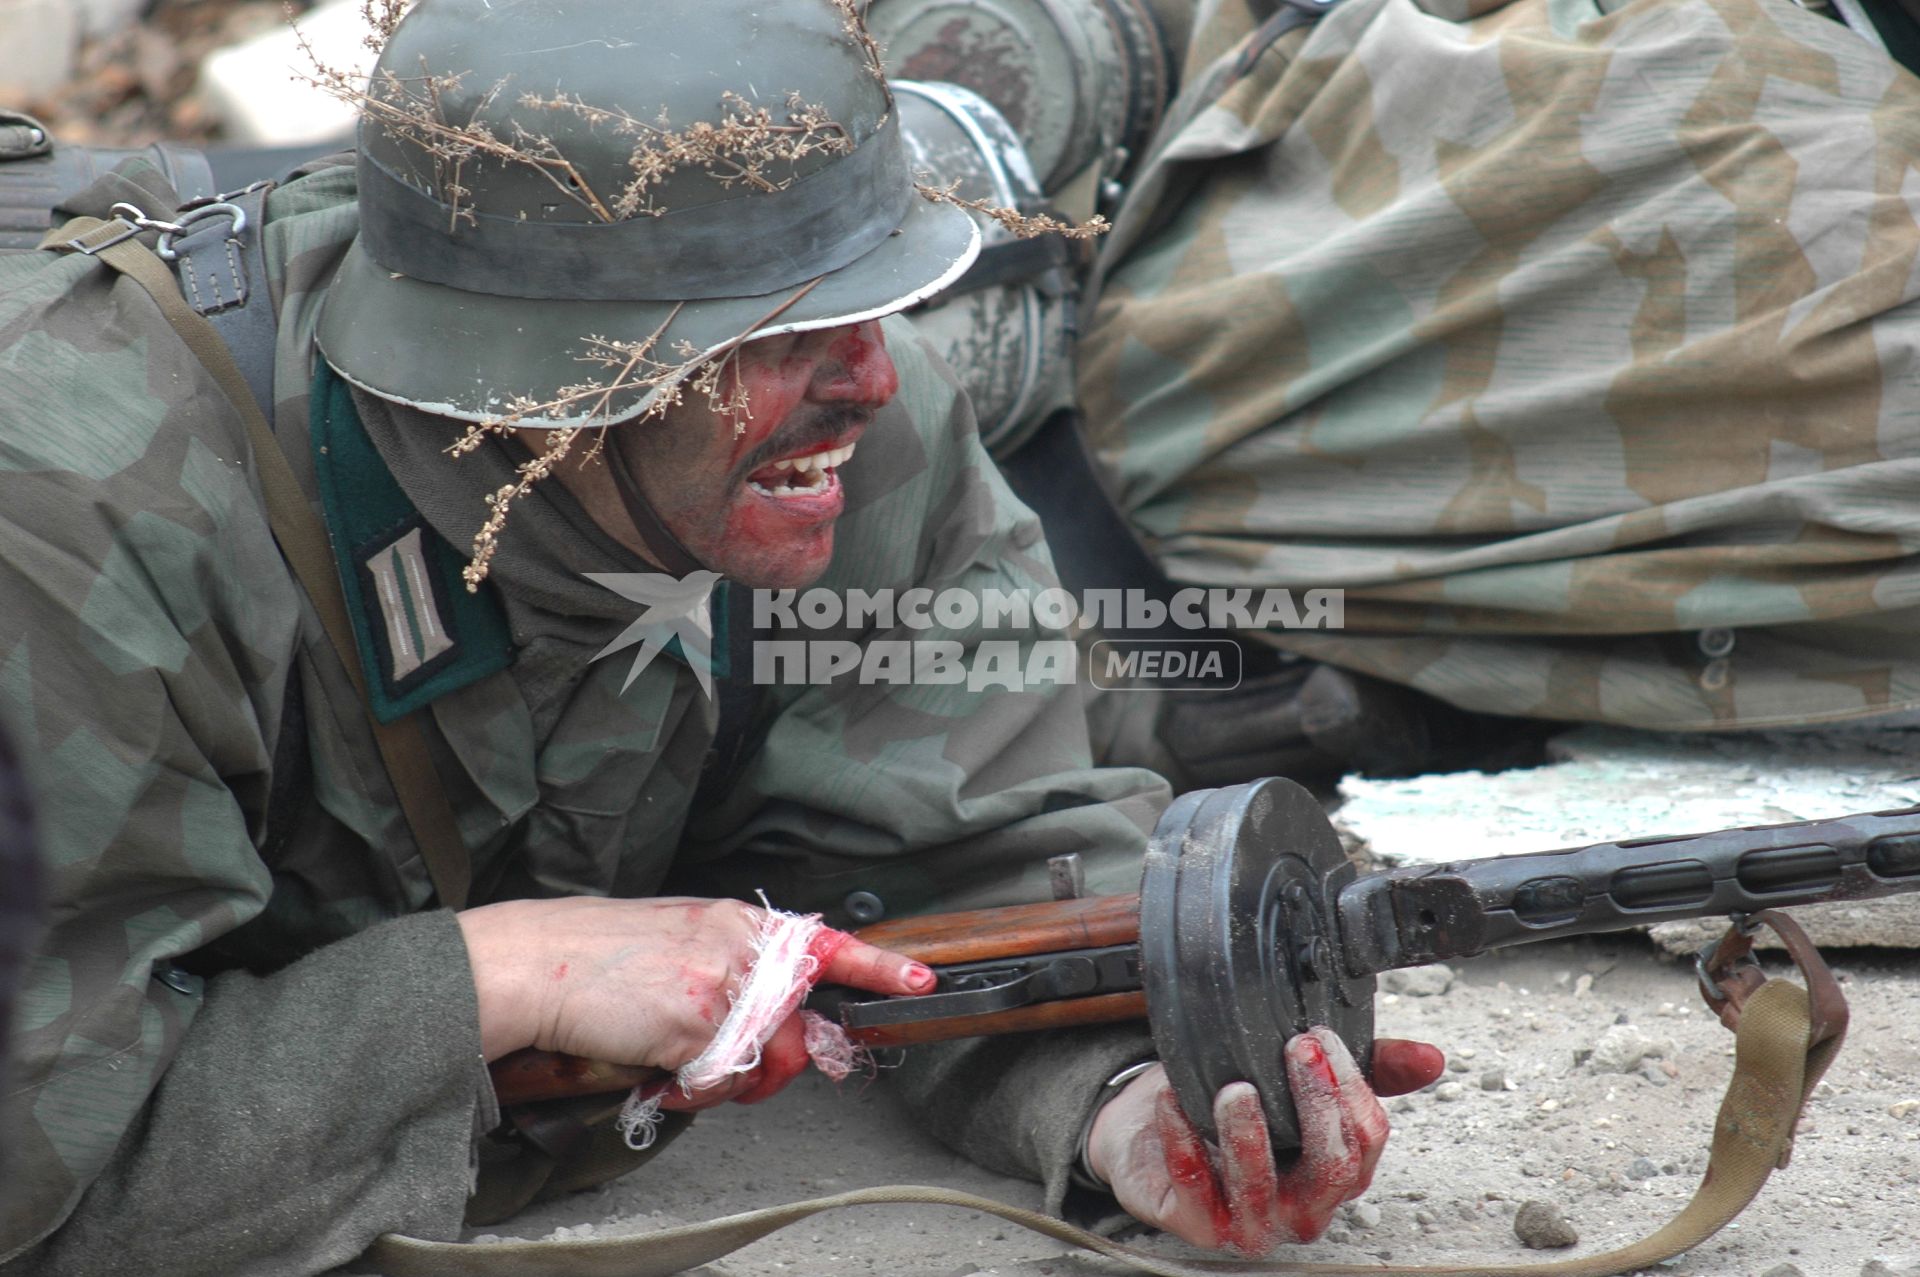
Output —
(258, 89)
(1606, 784)
(42, 39)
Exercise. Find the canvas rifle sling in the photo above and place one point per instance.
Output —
(1785, 1037)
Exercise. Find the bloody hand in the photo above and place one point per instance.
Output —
(1233, 1196)
(647, 982)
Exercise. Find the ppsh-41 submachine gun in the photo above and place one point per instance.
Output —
(1253, 925)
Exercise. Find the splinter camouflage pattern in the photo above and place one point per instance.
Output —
(149, 631)
(1556, 333)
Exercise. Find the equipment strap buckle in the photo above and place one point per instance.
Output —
(1727, 970)
(200, 212)
(127, 221)
(1729, 974)
(91, 242)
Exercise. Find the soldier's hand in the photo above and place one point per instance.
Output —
(1232, 1196)
(646, 982)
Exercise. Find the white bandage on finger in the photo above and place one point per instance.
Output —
(783, 970)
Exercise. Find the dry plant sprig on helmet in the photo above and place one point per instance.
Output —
(854, 13)
(742, 147)
(739, 149)
(631, 367)
(381, 16)
(1022, 225)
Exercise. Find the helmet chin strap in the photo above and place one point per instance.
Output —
(662, 546)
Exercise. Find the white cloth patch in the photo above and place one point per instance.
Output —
(775, 985)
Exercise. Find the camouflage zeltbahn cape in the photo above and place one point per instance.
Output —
(1556, 333)
(150, 632)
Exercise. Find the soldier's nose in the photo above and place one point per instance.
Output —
(856, 368)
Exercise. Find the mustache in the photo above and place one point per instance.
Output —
(801, 437)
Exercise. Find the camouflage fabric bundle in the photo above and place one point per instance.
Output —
(1573, 340)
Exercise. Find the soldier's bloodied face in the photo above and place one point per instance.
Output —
(754, 494)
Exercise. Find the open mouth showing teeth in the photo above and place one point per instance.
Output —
(800, 476)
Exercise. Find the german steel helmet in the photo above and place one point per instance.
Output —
(477, 277)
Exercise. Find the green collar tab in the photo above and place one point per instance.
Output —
(420, 633)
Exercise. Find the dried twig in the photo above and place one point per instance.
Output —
(382, 16)
(1023, 225)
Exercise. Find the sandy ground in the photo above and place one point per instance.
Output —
(1618, 1152)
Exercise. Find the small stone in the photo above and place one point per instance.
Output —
(1495, 1080)
(1583, 986)
(1622, 1047)
(1885, 1266)
(1651, 1071)
(1337, 1236)
(1425, 1217)
(1448, 1092)
(1419, 982)
(1457, 1065)
(1905, 1108)
(1364, 1215)
(1642, 1168)
(1540, 1226)
(1783, 1270)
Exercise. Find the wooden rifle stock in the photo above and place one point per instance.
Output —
(939, 941)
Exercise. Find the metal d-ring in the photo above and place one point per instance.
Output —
(1738, 925)
(218, 208)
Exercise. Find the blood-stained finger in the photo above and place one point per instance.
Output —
(1247, 1170)
(782, 1059)
(846, 960)
(1329, 1166)
(1401, 1066)
(705, 1097)
(1195, 1208)
(1365, 1120)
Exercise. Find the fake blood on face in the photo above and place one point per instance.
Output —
(732, 487)
(784, 400)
